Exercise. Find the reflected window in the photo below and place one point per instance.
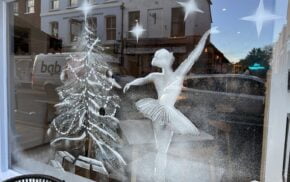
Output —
(22, 37)
(54, 29)
(75, 29)
(73, 3)
(92, 23)
(111, 27)
(54, 4)
(16, 8)
(30, 6)
(177, 22)
(134, 17)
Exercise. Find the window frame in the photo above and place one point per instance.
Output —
(5, 171)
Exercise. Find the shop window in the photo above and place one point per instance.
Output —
(94, 103)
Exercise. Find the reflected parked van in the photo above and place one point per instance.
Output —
(47, 69)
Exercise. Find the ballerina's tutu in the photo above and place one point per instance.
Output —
(164, 115)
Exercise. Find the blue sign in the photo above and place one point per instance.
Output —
(256, 67)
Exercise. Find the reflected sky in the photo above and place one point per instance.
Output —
(238, 37)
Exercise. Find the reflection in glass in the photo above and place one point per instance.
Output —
(222, 93)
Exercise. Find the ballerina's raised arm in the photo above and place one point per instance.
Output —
(163, 62)
(186, 65)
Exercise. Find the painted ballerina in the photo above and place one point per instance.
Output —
(166, 118)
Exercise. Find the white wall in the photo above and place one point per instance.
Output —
(277, 108)
(276, 124)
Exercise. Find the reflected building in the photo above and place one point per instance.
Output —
(112, 21)
(64, 19)
(166, 28)
(28, 38)
(238, 68)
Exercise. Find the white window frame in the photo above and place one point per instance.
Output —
(5, 171)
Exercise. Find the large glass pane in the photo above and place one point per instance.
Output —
(149, 90)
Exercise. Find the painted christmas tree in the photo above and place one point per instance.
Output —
(86, 113)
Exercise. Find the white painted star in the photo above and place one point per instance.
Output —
(190, 7)
(260, 17)
(137, 31)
